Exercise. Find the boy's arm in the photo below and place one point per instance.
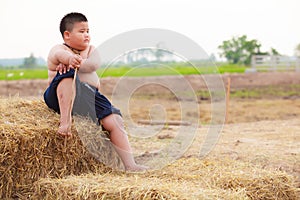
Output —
(92, 63)
(60, 55)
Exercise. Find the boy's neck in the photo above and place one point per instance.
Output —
(76, 51)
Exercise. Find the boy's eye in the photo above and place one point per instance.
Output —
(83, 31)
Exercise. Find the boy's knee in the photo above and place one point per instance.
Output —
(64, 90)
(112, 122)
(64, 85)
(117, 117)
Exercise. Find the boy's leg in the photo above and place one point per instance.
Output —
(114, 124)
(65, 95)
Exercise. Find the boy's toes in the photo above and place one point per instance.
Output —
(64, 131)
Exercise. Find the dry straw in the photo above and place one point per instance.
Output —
(31, 149)
(187, 178)
(35, 164)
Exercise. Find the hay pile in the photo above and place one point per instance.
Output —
(187, 178)
(35, 164)
(30, 149)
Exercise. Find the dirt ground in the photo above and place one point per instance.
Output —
(263, 131)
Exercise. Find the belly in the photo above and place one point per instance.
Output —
(90, 78)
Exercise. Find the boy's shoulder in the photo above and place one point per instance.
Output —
(59, 46)
(66, 47)
(84, 53)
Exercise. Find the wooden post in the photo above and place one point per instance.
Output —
(227, 99)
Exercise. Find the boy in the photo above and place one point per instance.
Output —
(63, 59)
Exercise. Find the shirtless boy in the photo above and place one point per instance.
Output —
(63, 59)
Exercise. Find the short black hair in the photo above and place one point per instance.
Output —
(67, 22)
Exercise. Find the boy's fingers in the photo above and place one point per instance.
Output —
(78, 59)
(62, 69)
(59, 69)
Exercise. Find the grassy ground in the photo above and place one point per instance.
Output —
(23, 74)
(173, 69)
(153, 70)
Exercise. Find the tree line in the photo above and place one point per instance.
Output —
(239, 50)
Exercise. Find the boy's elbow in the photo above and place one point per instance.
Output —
(94, 66)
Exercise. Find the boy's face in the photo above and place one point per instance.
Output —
(79, 37)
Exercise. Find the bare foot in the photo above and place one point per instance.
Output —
(64, 130)
(136, 168)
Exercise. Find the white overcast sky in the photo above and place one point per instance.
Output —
(31, 26)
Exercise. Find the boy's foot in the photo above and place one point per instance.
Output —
(136, 168)
(64, 130)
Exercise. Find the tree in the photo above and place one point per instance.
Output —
(158, 52)
(274, 52)
(239, 50)
(297, 51)
(212, 57)
(30, 62)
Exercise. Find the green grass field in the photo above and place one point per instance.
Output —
(161, 70)
(19, 74)
(167, 70)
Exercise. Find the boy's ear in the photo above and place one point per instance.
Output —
(66, 34)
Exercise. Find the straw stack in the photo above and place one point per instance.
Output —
(187, 178)
(31, 149)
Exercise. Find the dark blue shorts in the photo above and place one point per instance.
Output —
(88, 101)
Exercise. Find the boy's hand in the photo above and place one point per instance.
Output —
(75, 61)
(62, 69)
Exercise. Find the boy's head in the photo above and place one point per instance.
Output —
(67, 22)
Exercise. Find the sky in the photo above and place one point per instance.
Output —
(32, 26)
